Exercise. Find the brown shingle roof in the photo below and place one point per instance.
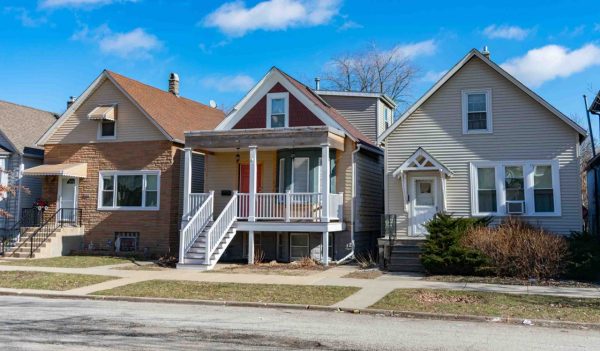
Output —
(332, 112)
(23, 125)
(175, 115)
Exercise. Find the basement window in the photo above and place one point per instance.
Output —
(127, 241)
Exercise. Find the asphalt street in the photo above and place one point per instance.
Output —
(62, 324)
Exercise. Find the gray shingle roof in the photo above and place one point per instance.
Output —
(23, 125)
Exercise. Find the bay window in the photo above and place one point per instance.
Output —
(530, 186)
(129, 190)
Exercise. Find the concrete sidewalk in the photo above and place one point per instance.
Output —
(371, 289)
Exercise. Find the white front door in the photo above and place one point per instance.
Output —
(67, 199)
(423, 203)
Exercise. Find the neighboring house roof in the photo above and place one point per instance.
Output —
(22, 126)
(172, 115)
(388, 100)
(475, 53)
(595, 106)
(306, 95)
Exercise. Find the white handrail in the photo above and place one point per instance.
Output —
(195, 226)
(220, 226)
(195, 200)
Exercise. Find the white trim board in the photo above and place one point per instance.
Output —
(456, 68)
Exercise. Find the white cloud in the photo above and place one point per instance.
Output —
(135, 44)
(506, 32)
(236, 19)
(348, 24)
(49, 4)
(549, 62)
(23, 15)
(413, 50)
(433, 76)
(226, 84)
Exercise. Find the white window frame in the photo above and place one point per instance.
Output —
(293, 185)
(99, 135)
(488, 111)
(292, 258)
(115, 174)
(528, 173)
(286, 103)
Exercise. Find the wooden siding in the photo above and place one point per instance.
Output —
(522, 130)
(360, 111)
(132, 124)
(299, 115)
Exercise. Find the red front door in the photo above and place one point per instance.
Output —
(244, 185)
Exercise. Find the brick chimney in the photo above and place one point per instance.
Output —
(174, 84)
(486, 52)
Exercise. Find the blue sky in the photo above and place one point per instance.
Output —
(51, 49)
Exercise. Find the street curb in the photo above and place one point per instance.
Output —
(365, 311)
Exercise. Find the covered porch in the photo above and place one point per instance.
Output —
(269, 180)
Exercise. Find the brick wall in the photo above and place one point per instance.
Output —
(158, 229)
(300, 115)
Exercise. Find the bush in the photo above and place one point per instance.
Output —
(517, 249)
(584, 257)
(442, 252)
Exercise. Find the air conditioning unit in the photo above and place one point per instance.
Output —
(515, 207)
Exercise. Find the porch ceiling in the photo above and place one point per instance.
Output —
(265, 138)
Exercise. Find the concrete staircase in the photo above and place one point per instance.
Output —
(59, 243)
(405, 253)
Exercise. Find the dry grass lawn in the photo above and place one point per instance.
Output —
(364, 274)
(68, 261)
(289, 269)
(510, 281)
(492, 304)
(266, 293)
(48, 281)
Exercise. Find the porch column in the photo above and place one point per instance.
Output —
(187, 183)
(250, 247)
(325, 182)
(325, 256)
(252, 187)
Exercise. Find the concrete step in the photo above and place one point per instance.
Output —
(398, 261)
(406, 268)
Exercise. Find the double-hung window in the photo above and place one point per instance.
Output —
(107, 129)
(300, 174)
(299, 246)
(476, 111)
(530, 188)
(277, 110)
(129, 190)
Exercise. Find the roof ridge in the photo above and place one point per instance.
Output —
(155, 88)
(29, 107)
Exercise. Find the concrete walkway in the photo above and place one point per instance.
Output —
(371, 289)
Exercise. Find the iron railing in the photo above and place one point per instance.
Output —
(10, 237)
(388, 226)
(62, 217)
(31, 217)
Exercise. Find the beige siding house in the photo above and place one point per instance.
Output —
(480, 143)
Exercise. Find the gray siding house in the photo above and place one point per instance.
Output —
(481, 143)
(20, 128)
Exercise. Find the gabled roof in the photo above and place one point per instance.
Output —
(171, 114)
(475, 53)
(421, 160)
(388, 100)
(22, 126)
(306, 95)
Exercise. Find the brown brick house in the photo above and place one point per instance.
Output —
(115, 154)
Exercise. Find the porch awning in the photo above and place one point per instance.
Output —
(106, 112)
(75, 170)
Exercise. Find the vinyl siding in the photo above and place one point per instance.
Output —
(132, 125)
(34, 184)
(522, 130)
(369, 199)
(9, 202)
(360, 111)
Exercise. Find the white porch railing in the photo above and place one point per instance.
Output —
(195, 226)
(290, 206)
(196, 200)
(221, 226)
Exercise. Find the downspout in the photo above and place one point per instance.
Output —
(351, 254)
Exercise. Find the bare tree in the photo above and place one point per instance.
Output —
(372, 71)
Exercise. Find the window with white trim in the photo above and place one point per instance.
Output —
(277, 110)
(299, 246)
(494, 185)
(129, 190)
(107, 129)
(300, 174)
(477, 111)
